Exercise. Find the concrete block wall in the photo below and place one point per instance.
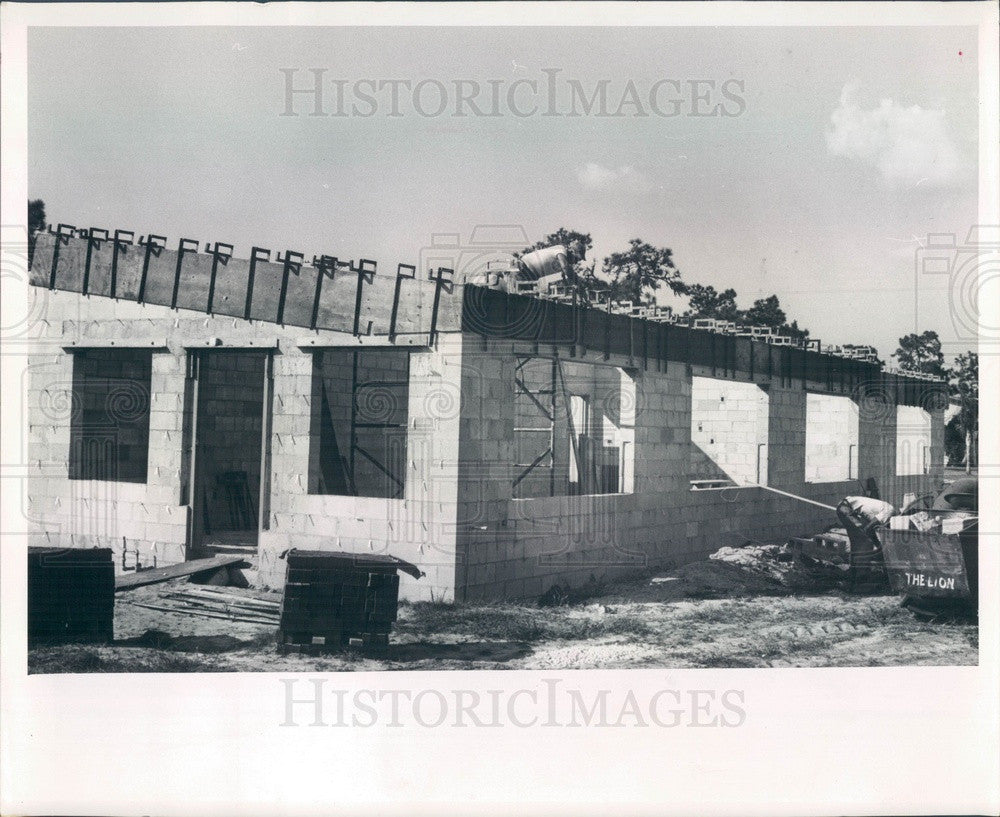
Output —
(139, 517)
(419, 527)
(515, 548)
(457, 518)
(729, 423)
(913, 439)
(832, 437)
(152, 517)
(879, 445)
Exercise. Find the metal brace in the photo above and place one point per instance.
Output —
(152, 248)
(93, 240)
(291, 259)
(185, 245)
(365, 270)
(220, 254)
(120, 241)
(440, 282)
(257, 254)
(63, 233)
(324, 264)
(403, 272)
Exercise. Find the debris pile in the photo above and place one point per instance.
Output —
(779, 563)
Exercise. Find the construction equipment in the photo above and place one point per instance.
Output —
(927, 553)
(931, 552)
(855, 546)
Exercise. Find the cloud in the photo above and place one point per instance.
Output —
(909, 146)
(593, 176)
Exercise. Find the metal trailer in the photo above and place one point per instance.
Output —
(935, 573)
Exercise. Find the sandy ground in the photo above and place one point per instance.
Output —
(746, 612)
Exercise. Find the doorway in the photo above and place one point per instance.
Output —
(227, 429)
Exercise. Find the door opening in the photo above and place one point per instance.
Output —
(227, 429)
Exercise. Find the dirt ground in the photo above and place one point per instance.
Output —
(742, 609)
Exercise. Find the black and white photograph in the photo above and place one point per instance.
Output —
(342, 349)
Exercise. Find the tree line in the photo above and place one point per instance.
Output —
(635, 274)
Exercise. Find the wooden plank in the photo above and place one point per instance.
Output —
(128, 272)
(160, 277)
(185, 611)
(266, 291)
(224, 600)
(336, 302)
(300, 295)
(230, 293)
(196, 272)
(221, 603)
(72, 262)
(130, 581)
(99, 282)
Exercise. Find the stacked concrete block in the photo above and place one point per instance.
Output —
(151, 518)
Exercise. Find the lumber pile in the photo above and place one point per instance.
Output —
(216, 602)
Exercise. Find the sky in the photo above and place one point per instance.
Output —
(827, 157)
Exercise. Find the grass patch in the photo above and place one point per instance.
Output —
(510, 622)
(77, 659)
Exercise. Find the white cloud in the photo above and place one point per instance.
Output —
(909, 146)
(594, 176)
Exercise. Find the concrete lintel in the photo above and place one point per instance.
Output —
(214, 342)
(157, 344)
(421, 341)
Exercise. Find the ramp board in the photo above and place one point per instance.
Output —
(130, 581)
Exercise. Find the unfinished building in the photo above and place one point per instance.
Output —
(182, 401)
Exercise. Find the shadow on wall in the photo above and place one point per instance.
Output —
(729, 431)
(574, 429)
(832, 432)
